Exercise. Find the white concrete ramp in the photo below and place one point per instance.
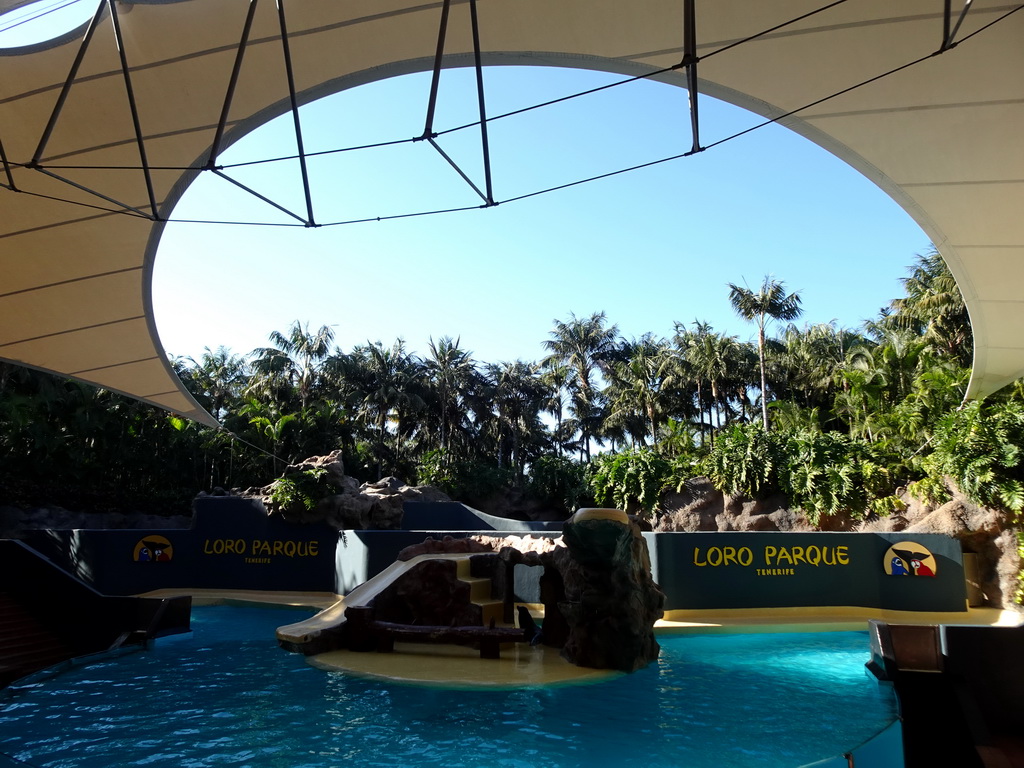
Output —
(332, 618)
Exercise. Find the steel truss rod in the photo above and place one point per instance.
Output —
(485, 147)
(100, 195)
(7, 170)
(133, 106)
(256, 194)
(232, 83)
(690, 60)
(435, 80)
(453, 164)
(428, 129)
(66, 88)
(949, 29)
(295, 112)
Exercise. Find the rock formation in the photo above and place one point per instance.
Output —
(600, 601)
(352, 506)
(611, 602)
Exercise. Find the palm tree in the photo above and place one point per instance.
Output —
(294, 360)
(713, 358)
(218, 377)
(585, 346)
(934, 308)
(635, 391)
(450, 371)
(770, 303)
(384, 382)
(518, 399)
(555, 377)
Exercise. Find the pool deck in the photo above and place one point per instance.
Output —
(521, 665)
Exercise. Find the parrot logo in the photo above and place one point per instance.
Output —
(908, 558)
(897, 568)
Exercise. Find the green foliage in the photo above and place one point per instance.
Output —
(630, 479)
(979, 448)
(830, 474)
(560, 481)
(300, 492)
(822, 473)
(469, 481)
(745, 461)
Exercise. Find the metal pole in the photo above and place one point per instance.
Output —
(45, 138)
(7, 170)
(229, 96)
(295, 113)
(134, 108)
(480, 99)
(690, 60)
(428, 128)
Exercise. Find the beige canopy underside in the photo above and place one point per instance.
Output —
(943, 137)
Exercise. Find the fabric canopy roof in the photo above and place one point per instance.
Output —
(103, 130)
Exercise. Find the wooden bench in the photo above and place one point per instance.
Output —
(365, 633)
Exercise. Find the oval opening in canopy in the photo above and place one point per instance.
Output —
(650, 246)
(34, 23)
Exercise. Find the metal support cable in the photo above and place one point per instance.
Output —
(232, 83)
(776, 28)
(30, 18)
(990, 24)
(87, 190)
(118, 211)
(66, 88)
(592, 178)
(653, 74)
(133, 106)
(295, 112)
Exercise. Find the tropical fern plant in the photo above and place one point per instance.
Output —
(745, 461)
(980, 449)
(630, 479)
(300, 492)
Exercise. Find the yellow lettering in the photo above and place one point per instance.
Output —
(714, 557)
(769, 553)
(314, 548)
(842, 555)
(206, 547)
(826, 552)
(696, 558)
(730, 555)
(798, 555)
(814, 555)
(278, 547)
(289, 548)
(784, 555)
(746, 557)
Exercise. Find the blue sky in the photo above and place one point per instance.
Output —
(648, 248)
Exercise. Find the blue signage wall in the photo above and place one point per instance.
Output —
(898, 571)
(232, 544)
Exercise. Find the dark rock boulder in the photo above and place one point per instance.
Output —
(611, 602)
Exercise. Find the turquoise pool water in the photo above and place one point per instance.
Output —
(229, 697)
